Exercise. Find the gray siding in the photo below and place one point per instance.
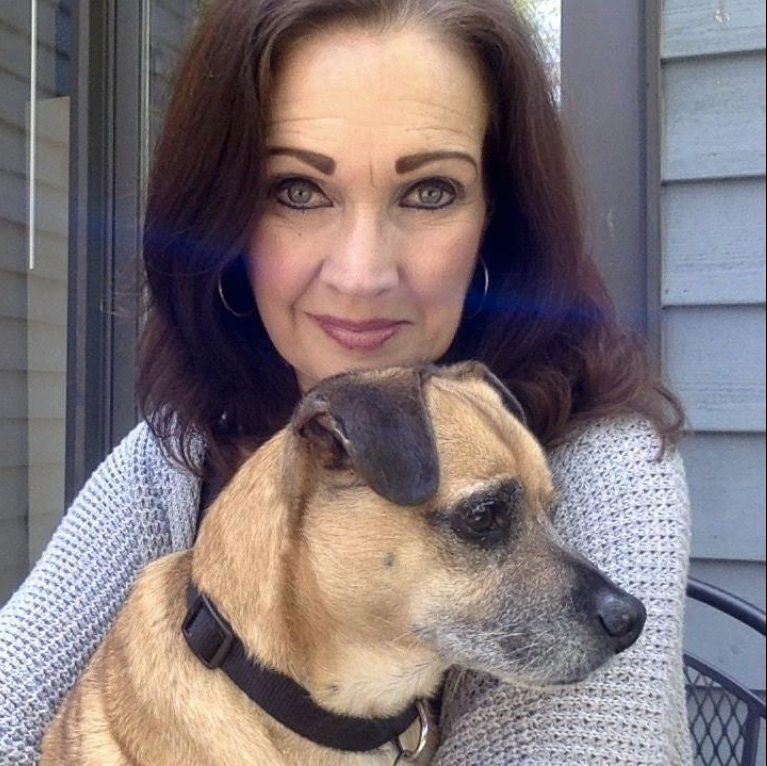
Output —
(715, 357)
(726, 475)
(714, 117)
(714, 242)
(706, 27)
(712, 293)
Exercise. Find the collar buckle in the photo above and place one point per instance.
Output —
(207, 633)
(409, 756)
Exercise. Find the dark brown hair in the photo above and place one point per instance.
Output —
(547, 326)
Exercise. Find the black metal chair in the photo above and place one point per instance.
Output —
(724, 716)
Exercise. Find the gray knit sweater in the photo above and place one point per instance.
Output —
(623, 509)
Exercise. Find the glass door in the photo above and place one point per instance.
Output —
(36, 82)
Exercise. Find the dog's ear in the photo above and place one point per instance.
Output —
(379, 427)
(510, 401)
(315, 423)
(473, 368)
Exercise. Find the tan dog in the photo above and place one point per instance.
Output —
(399, 525)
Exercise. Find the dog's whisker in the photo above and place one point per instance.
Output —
(411, 639)
(502, 634)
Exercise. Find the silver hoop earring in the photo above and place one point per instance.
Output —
(238, 314)
(484, 294)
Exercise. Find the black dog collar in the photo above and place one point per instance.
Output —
(215, 644)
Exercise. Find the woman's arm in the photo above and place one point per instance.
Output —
(628, 513)
(52, 625)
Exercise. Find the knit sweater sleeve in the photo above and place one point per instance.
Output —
(628, 512)
(53, 623)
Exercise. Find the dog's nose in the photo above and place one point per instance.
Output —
(622, 616)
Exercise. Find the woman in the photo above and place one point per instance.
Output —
(360, 183)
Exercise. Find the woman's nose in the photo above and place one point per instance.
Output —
(362, 261)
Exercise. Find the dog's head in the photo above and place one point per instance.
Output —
(422, 508)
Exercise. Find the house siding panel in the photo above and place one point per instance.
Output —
(703, 27)
(713, 243)
(726, 476)
(711, 203)
(715, 357)
(714, 117)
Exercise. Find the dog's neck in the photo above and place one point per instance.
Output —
(245, 559)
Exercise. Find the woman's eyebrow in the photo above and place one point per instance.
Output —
(406, 164)
(321, 162)
(413, 161)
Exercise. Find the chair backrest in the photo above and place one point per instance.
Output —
(724, 716)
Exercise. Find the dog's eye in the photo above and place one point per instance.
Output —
(486, 523)
(481, 518)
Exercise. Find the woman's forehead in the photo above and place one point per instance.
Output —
(352, 85)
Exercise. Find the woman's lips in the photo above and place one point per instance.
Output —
(359, 336)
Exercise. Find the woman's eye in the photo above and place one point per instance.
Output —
(432, 194)
(298, 193)
(302, 194)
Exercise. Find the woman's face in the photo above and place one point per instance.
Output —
(374, 201)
